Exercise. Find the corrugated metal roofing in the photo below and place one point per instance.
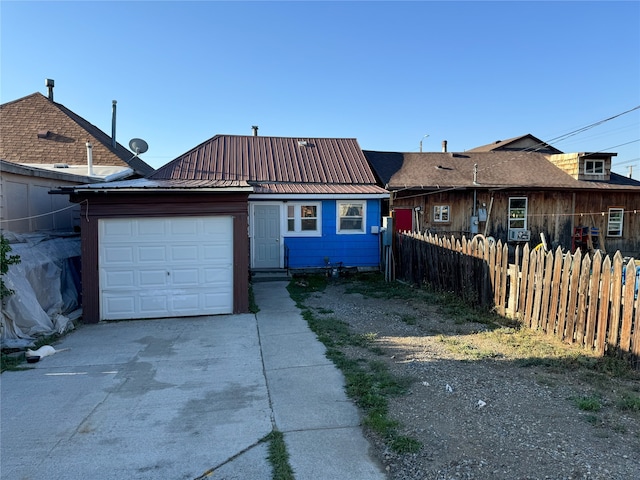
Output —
(272, 159)
(145, 183)
(429, 171)
(309, 188)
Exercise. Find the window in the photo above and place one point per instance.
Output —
(594, 167)
(441, 213)
(517, 212)
(351, 217)
(614, 224)
(303, 218)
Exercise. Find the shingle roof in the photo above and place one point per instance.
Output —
(277, 164)
(514, 144)
(429, 171)
(36, 130)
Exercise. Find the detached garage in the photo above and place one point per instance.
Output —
(156, 249)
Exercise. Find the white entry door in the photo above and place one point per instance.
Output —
(165, 267)
(266, 236)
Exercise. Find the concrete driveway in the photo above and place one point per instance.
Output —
(183, 398)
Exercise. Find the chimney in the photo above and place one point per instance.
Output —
(49, 83)
(113, 124)
(444, 146)
(255, 130)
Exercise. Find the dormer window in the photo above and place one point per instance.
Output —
(594, 167)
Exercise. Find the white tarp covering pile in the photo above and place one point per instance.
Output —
(45, 285)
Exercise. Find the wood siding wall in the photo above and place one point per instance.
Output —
(114, 205)
(554, 213)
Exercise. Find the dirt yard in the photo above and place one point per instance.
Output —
(489, 403)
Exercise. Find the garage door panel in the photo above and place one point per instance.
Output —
(185, 227)
(217, 302)
(151, 227)
(164, 267)
(119, 279)
(186, 276)
(120, 306)
(152, 254)
(216, 252)
(117, 230)
(181, 253)
(123, 255)
(216, 276)
(152, 278)
(155, 305)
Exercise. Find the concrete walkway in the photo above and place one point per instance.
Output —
(186, 398)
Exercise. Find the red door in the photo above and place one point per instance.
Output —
(403, 219)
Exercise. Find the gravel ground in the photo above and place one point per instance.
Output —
(487, 418)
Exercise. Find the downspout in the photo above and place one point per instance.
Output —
(89, 159)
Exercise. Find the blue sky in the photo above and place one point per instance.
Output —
(386, 73)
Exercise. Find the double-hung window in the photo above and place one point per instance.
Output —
(441, 213)
(303, 218)
(351, 217)
(614, 223)
(517, 213)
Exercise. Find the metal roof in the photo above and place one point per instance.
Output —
(147, 184)
(321, 161)
(310, 188)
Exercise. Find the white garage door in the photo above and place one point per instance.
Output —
(165, 267)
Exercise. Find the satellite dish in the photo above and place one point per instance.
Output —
(138, 145)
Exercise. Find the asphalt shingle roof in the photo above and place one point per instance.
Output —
(36, 130)
(500, 169)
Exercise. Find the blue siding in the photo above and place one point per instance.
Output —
(361, 250)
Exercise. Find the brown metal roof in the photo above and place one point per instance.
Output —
(311, 188)
(36, 130)
(429, 171)
(322, 161)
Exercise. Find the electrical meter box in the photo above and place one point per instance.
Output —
(387, 231)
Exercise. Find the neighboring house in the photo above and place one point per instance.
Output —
(512, 192)
(44, 145)
(183, 241)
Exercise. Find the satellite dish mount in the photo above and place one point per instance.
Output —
(138, 146)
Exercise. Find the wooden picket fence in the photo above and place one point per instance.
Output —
(580, 299)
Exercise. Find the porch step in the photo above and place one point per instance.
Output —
(270, 276)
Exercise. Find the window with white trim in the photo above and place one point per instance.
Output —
(614, 222)
(303, 218)
(594, 167)
(441, 213)
(351, 217)
(517, 213)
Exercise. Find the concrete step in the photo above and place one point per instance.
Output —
(270, 276)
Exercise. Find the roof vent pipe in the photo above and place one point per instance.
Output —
(49, 83)
(89, 159)
(113, 124)
(444, 146)
(255, 130)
